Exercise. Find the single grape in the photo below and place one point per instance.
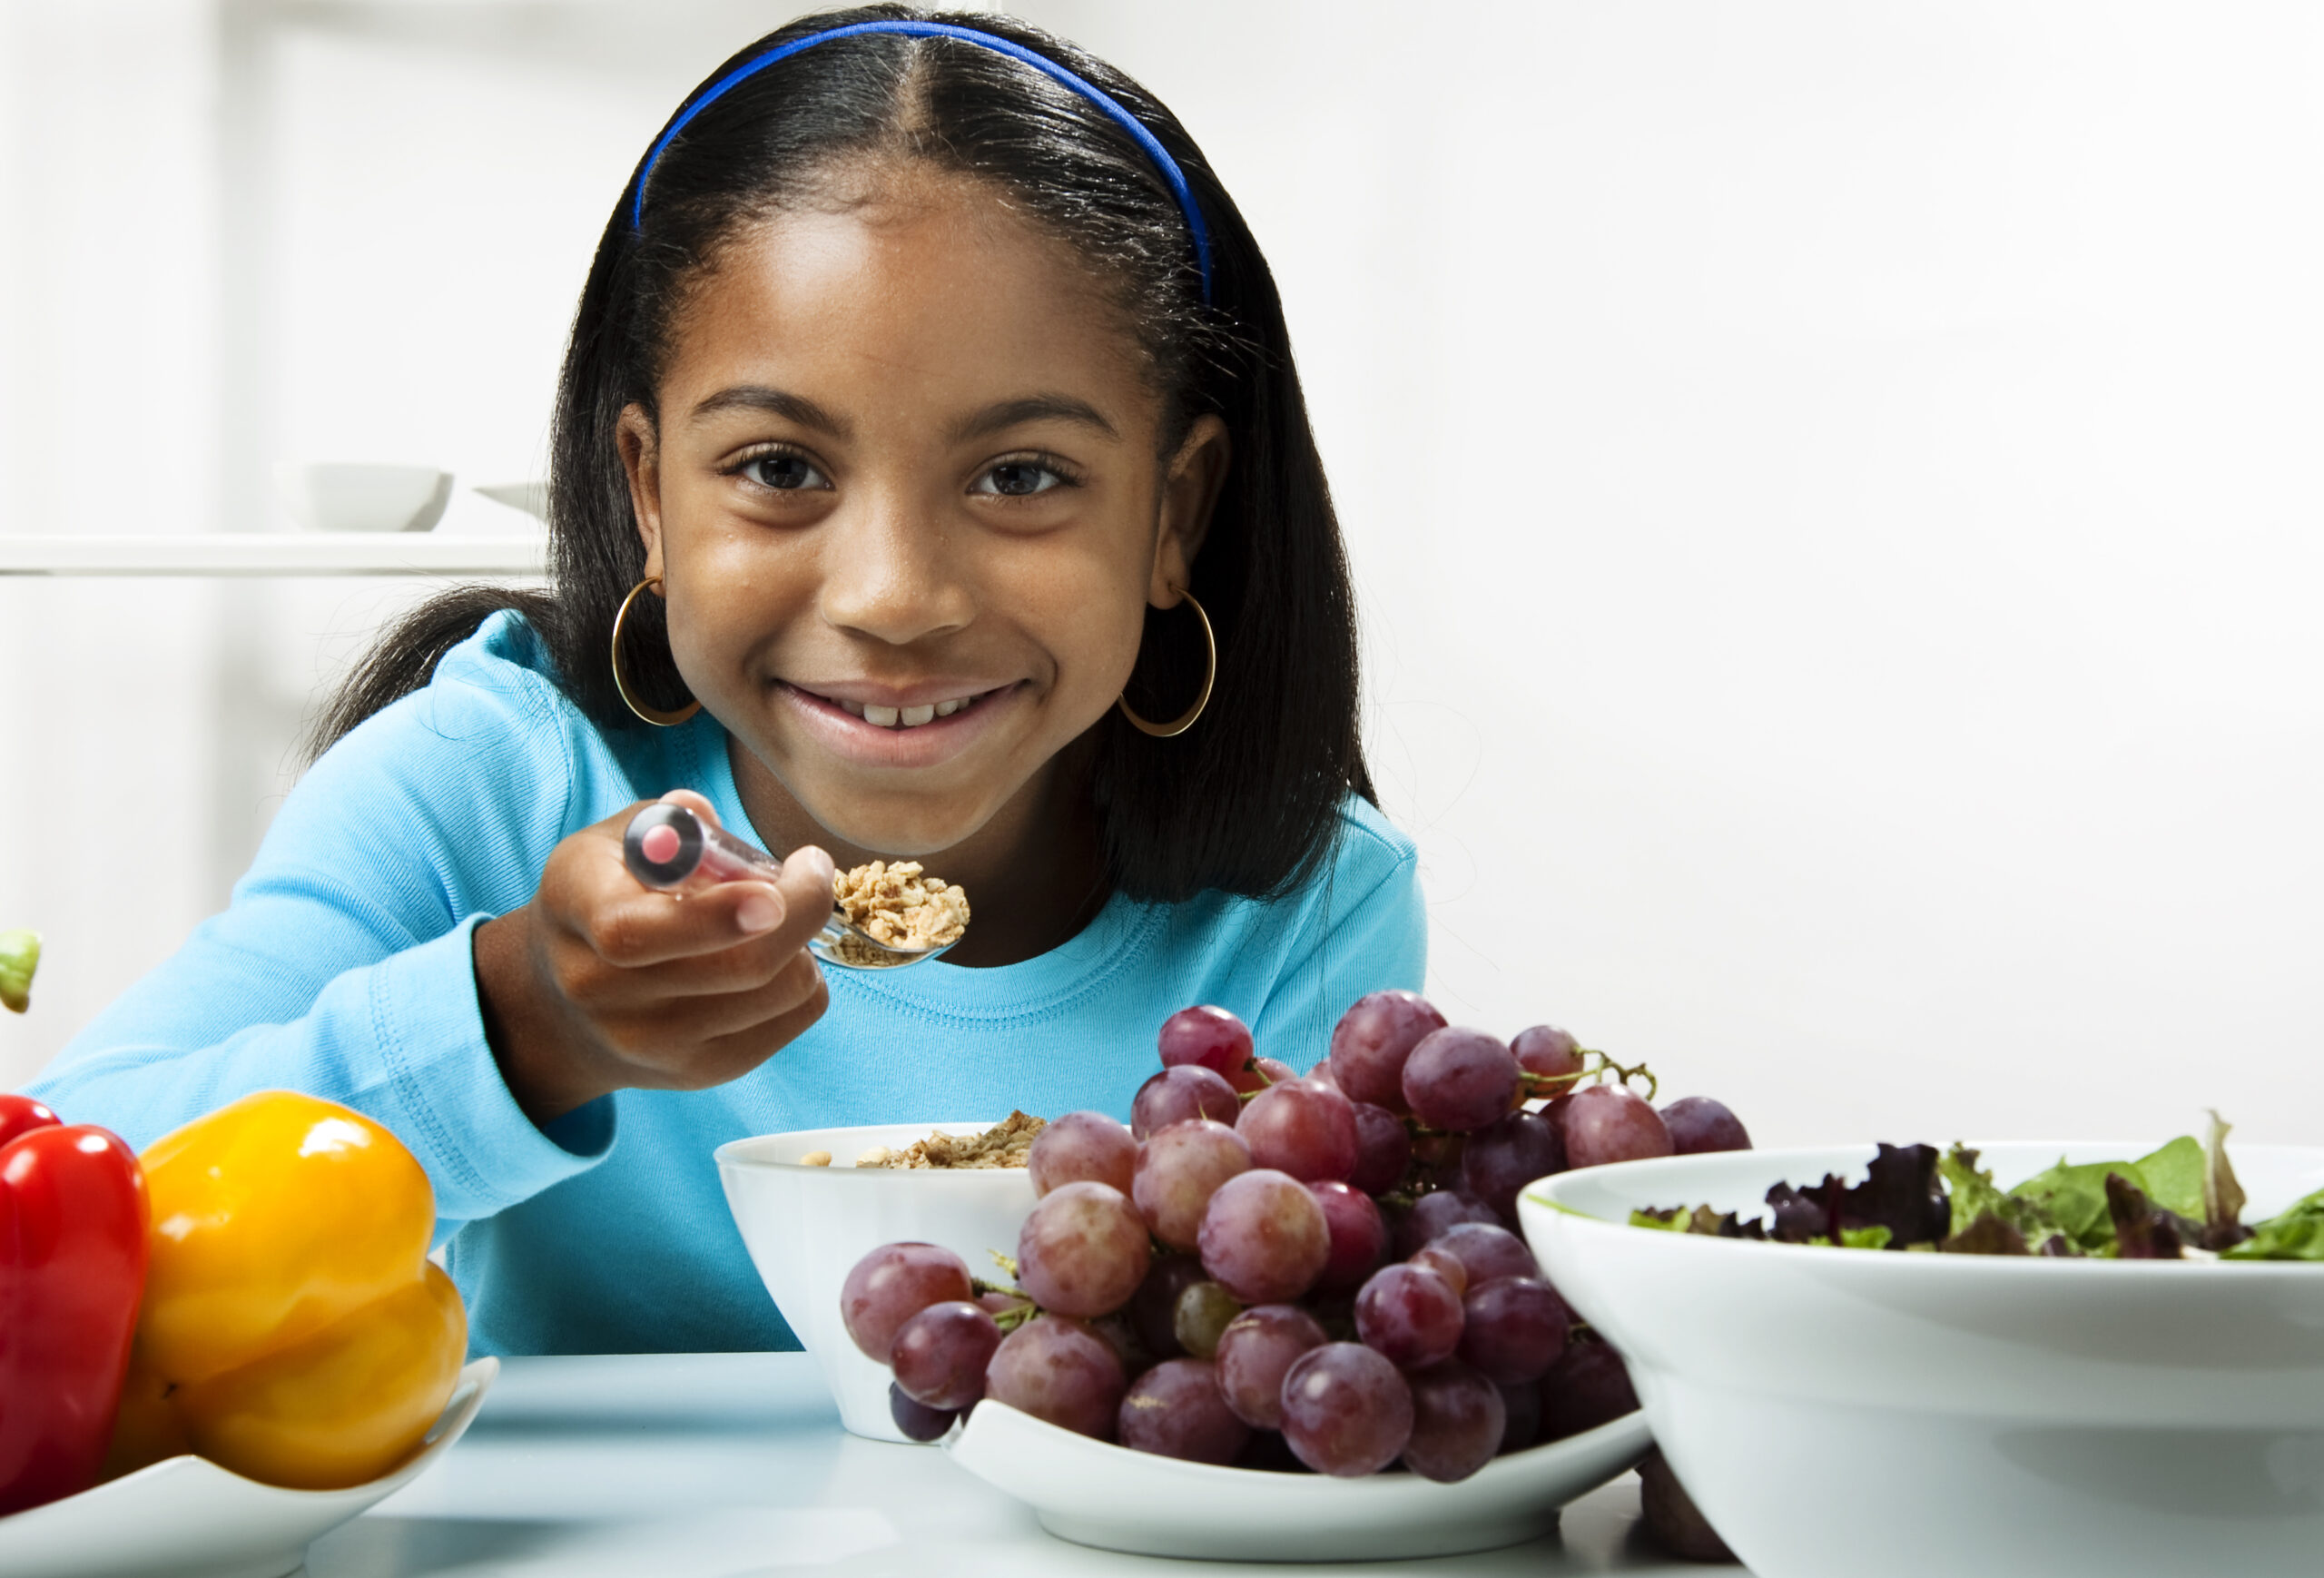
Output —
(1458, 1422)
(1083, 1250)
(1082, 1147)
(1522, 1411)
(1205, 1312)
(1176, 1094)
(1178, 1169)
(1486, 1252)
(1277, 1071)
(1371, 1040)
(1174, 1410)
(1301, 1129)
(1383, 1147)
(1264, 1236)
(1547, 1052)
(1697, 1124)
(1206, 1036)
(918, 1421)
(1255, 1352)
(1434, 1213)
(1588, 1386)
(1346, 1411)
(940, 1355)
(1058, 1370)
(1460, 1080)
(1410, 1315)
(1153, 1307)
(1607, 1123)
(1502, 1159)
(1444, 1263)
(893, 1283)
(1514, 1327)
(1358, 1233)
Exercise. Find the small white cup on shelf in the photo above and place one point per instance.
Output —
(363, 497)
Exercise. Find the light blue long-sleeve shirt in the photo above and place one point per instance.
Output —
(342, 968)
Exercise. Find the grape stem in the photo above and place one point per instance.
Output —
(1008, 1320)
(1007, 1262)
(1594, 1071)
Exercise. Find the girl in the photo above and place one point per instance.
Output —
(931, 480)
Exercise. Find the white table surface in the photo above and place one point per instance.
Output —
(733, 1466)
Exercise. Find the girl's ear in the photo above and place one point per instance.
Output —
(641, 457)
(1190, 488)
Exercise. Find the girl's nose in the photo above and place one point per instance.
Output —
(889, 574)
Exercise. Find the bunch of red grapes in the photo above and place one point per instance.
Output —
(1281, 1271)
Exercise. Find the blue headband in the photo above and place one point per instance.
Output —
(1171, 174)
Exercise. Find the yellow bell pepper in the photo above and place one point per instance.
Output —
(293, 1330)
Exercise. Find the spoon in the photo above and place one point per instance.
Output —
(665, 845)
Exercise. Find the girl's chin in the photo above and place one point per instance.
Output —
(830, 729)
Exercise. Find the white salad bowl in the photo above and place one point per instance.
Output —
(806, 1227)
(1836, 1411)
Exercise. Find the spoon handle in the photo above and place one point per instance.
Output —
(667, 846)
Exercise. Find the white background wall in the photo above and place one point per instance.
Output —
(1833, 486)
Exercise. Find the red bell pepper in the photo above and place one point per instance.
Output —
(73, 1219)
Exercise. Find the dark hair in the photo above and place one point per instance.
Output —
(1246, 802)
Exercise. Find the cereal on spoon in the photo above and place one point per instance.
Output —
(899, 906)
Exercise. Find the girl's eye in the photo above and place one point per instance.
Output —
(1018, 479)
(783, 473)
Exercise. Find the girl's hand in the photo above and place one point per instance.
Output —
(600, 984)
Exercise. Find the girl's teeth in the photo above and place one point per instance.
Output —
(854, 707)
(882, 717)
(945, 709)
(913, 717)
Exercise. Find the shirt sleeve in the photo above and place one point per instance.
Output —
(343, 966)
(1364, 928)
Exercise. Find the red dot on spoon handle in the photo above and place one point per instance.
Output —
(660, 844)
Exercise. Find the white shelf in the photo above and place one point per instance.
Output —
(253, 553)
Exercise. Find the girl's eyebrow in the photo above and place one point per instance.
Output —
(752, 397)
(1041, 408)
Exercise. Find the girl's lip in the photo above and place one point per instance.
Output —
(869, 745)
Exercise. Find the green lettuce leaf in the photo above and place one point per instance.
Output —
(2297, 1233)
(1976, 1199)
(19, 957)
(2171, 1177)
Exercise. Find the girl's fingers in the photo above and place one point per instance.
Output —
(634, 928)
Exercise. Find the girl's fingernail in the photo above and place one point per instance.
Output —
(818, 861)
(759, 912)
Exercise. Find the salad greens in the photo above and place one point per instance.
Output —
(2180, 1202)
(19, 957)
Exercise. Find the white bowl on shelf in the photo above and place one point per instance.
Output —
(363, 497)
(806, 1227)
(190, 1518)
(1918, 1415)
(1094, 1493)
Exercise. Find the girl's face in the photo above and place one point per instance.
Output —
(906, 499)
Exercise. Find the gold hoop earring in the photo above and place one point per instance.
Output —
(1185, 720)
(653, 715)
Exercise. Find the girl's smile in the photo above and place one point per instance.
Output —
(878, 725)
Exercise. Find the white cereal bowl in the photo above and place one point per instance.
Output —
(1094, 1493)
(806, 1227)
(339, 498)
(1930, 1416)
